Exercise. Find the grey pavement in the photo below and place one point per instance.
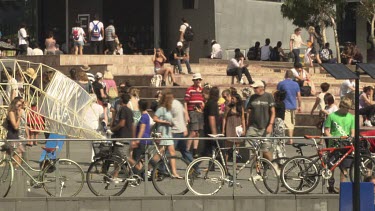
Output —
(81, 152)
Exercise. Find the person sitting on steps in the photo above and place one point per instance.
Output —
(236, 67)
(179, 55)
(159, 59)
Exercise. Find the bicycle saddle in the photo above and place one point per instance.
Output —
(299, 145)
(49, 150)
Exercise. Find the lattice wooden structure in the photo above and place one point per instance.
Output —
(55, 103)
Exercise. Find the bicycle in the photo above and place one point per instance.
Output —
(102, 180)
(207, 175)
(58, 177)
(301, 174)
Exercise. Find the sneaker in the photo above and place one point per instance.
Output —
(182, 73)
(367, 123)
(332, 190)
(191, 73)
(109, 132)
(256, 178)
(175, 84)
(116, 180)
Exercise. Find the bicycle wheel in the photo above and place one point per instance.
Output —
(263, 172)
(300, 175)
(366, 168)
(6, 177)
(101, 180)
(204, 176)
(63, 178)
(163, 180)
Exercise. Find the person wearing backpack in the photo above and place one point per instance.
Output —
(326, 54)
(78, 36)
(186, 35)
(96, 31)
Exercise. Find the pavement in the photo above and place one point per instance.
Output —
(81, 152)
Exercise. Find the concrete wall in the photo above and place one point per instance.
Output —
(202, 21)
(241, 24)
(176, 203)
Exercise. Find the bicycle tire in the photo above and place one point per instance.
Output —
(164, 182)
(201, 174)
(366, 168)
(302, 165)
(70, 178)
(99, 177)
(6, 177)
(263, 170)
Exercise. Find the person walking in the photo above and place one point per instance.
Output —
(78, 35)
(22, 40)
(295, 44)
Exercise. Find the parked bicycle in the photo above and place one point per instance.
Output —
(102, 179)
(58, 177)
(301, 174)
(207, 175)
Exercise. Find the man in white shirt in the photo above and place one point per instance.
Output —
(348, 86)
(96, 31)
(216, 52)
(236, 67)
(22, 43)
(186, 44)
(37, 51)
(265, 51)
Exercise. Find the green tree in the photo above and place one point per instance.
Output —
(366, 8)
(320, 13)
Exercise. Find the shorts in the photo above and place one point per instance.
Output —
(255, 132)
(290, 119)
(78, 43)
(196, 121)
(121, 151)
(143, 149)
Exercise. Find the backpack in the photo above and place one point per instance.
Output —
(76, 34)
(189, 33)
(112, 93)
(95, 32)
(324, 54)
(274, 55)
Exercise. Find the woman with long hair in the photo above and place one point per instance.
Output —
(163, 117)
(50, 43)
(13, 123)
(159, 59)
(84, 82)
(314, 40)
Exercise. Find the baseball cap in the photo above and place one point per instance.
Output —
(257, 83)
(179, 44)
(98, 75)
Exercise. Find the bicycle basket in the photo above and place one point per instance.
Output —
(7, 148)
(102, 149)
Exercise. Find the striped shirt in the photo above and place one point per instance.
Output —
(90, 76)
(109, 31)
(193, 96)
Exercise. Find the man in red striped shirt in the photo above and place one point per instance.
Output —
(194, 103)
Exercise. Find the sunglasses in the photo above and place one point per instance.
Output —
(199, 79)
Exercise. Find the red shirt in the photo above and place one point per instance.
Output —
(193, 96)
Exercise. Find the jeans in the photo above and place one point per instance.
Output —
(180, 67)
(180, 145)
(238, 72)
(368, 111)
(296, 55)
(97, 47)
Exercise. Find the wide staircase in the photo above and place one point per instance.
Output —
(138, 71)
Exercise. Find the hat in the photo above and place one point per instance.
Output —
(257, 83)
(179, 44)
(197, 76)
(221, 101)
(212, 41)
(297, 65)
(85, 67)
(98, 75)
(346, 103)
(247, 91)
(30, 72)
(108, 75)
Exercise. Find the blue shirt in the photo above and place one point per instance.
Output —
(145, 119)
(291, 88)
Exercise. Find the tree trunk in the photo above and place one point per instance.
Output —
(323, 33)
(372, 36)
(336, 39)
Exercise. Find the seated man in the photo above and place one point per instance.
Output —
(178, 55)
(236, 67)
(303, 79)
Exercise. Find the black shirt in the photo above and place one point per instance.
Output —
(126, 131)
(179, 52)
(280, 110)
(97, 87)
(210, 109)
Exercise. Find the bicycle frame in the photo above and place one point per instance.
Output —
(349, 149)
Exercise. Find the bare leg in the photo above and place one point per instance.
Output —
(80, 50)
(267, 155)
(172, 152)
(290, 132)
(76, 50)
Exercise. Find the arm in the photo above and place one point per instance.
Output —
(327, 131)
(187, 118)
(243, 122)
(156, 119)
(248, 118)
(119, 125)
(224, 120)
(317, 101)
(102, 93)
(291, 45)
(102, 32)
(142, 128)
(272, 120)
(154, 56)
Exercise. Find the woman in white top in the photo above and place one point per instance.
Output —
(216, 52)
(78, 36)
(367, 105)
